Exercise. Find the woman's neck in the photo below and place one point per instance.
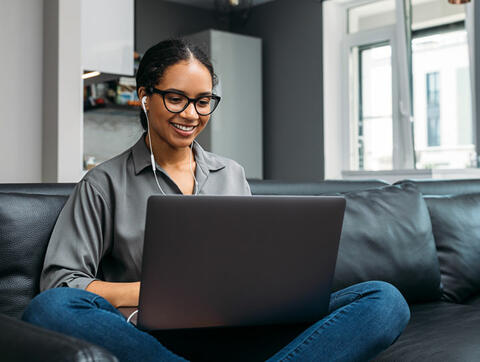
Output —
(167, 156)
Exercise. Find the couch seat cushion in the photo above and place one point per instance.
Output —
(25, 342)
(473, 300)
(26, 222)
(456, 227)
(387, 235)
(440, 331)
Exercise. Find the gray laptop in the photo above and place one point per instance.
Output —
(228, 261)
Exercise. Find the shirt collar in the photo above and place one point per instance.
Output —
(205, 160)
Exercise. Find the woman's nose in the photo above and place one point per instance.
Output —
(190, 112)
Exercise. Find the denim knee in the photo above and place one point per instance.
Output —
(391, 295)
(46, 307)
(393, 309)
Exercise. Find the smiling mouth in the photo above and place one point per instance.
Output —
(182, 127)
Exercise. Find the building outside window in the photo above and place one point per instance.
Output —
(433, 109)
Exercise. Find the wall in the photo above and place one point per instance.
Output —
(291, 31)
(62, 92)
(50, 92)
(21, 91)
(157, 20)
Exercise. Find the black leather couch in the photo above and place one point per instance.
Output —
(421, 236)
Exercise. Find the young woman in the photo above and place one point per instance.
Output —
(95, 250)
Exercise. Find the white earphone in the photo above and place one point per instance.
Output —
(152, 158)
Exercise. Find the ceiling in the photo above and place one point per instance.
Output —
(209, 4)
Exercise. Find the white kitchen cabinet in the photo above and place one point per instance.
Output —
(108, 35)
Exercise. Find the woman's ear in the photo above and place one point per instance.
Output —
(141, 92)
(142, 95)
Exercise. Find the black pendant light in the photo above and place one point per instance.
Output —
(228, 6)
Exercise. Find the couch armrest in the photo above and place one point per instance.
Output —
(21, 341)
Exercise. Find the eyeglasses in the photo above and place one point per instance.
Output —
(176, 102)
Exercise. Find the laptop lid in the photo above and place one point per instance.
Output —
(224, 261)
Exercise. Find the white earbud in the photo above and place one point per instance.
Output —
(144, 100)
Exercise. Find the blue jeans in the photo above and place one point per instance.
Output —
(363, 320)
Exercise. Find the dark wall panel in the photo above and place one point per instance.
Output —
(156, 20)
(293, 86)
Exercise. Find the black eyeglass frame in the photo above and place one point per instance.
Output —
(190, 100)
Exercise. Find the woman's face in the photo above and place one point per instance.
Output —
(192, 79)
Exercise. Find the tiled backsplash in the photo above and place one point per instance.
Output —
(109, 132)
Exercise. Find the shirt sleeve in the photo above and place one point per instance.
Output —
(79, 240)
(246, 186)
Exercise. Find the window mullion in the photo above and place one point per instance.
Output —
(396, 89)
(403, 150)
(473, 30)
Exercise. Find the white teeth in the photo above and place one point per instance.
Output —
(183, 128)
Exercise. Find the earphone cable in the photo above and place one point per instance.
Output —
(131, 315)
(152, 158)
(191, 169)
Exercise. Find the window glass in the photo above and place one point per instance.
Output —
(374, 117)
(442, 100)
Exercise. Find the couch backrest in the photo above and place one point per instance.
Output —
(39, 188)
(274, 187)
(445, 187)
(387, 235)
(28, 213)
(26, 222)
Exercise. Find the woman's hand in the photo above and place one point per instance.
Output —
(118, 294)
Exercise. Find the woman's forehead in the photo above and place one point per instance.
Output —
(189, 76)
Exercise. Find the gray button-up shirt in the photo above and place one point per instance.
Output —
(99, 233)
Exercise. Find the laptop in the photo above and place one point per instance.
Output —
(233, 261)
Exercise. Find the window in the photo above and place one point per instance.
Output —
(404, 81)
